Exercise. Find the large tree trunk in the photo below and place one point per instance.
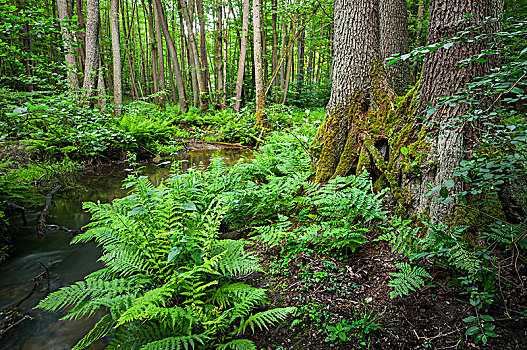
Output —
(258, 69)
(92, 50)
(243, 52)
(451, 139)
(394, 39)
(116, 51)
(69, 46)
(356, 53)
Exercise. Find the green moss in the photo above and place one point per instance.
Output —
(480, 212)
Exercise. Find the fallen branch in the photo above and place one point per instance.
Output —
(26, 317)
(64, 229)
(41, 227)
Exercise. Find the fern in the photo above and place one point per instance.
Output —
(408, 279)
(262, 320)
(238, 344)
(101, 329)
(186, 342)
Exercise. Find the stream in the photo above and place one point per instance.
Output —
(68, 263)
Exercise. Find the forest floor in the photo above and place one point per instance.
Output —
(353, 292)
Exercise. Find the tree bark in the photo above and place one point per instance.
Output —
(451, 139)
(288, 69)
(116, 51)
(394, 39)
(243, 52)
(274, 51)
(91, 68)
(173, 55)
(69, 47)
(200, 75)
(356, 52)
(219, 58)
(258, 69)
(161, 59)
(203, 47)
(153, 49)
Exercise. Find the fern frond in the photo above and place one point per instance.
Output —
(99, 331)
(235, 260)
(238, 344)
(186, 342)
(79, 291)
(123, 262)
(151, 299)
(408, 279)
(264, 319)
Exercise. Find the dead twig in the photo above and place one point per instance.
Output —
(42, 227)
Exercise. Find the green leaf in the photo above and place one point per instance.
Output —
(190, 206)
(469, 319)
(449, 184)
(137, 211)
(404, 151)
(472, 330)
(173, 254)
(443, 192)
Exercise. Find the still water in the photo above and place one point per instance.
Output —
(68, 263)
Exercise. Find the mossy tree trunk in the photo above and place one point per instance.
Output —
(451, 138)
(356, 52)
(368, 127)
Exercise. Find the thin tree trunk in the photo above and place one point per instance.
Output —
(243, 53)
(131, 67)
(81, 33)
(69, 50)
(161, 59)
(153, 49)
(258, 69)
(116, 51)
(173, 55)
(274, 51)
(200, 76)
(288, 70)
(203, 46)
(219, 58)
(300, 73)
(143, 59)
(92, 50)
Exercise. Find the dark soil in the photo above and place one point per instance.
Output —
(328, 289)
